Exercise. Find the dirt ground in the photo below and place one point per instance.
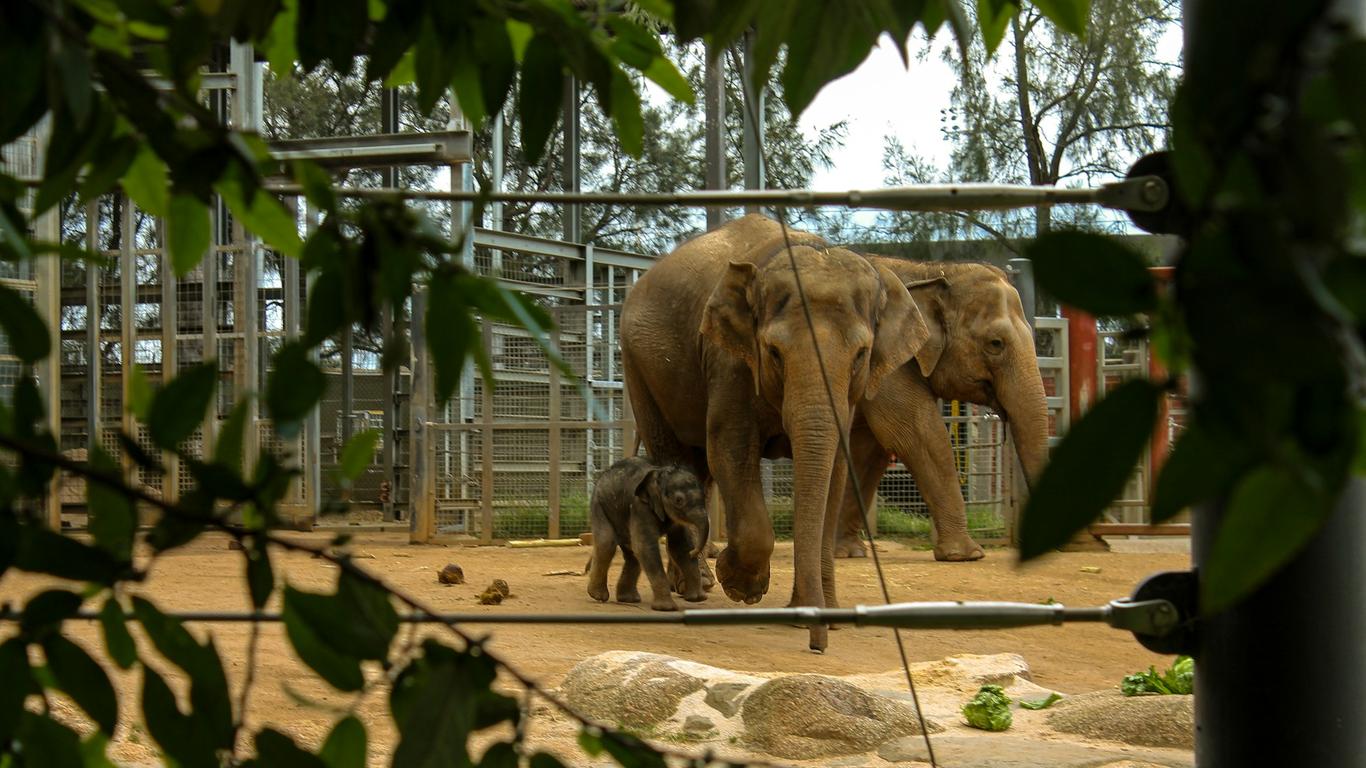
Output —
(206, 575)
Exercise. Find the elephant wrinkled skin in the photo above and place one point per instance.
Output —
(980, 350)
(721, 373)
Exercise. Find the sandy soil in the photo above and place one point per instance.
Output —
(207, 575)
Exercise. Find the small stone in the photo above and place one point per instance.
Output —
(362, 556)
(451, 574)
(501, 586)
(1090, 569)
(698, 725)
(725, 697)
(490, 596)
(403, 554)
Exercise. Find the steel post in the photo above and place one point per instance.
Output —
(94, 373)
(754, 119)
(716, 130)
(389, 123)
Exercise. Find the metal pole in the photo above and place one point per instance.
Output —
(716, 130)
(170, 352)
(573, 232)
(496, 209)
(248, 111)
(93, 373)
(389, 112)
(1022, 275)
(553, 489)
(419, 520)
(753, 147)
(313, 440)
(48, 296)
(128, 287)
(289, 283)
(1313, 611)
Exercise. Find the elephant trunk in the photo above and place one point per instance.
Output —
(701, 533)
(814, 437)
(1022, 398)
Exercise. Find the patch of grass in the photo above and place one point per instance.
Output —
(532, 521)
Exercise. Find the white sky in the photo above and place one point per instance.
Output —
(878, 99)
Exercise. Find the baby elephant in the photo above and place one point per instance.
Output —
(634, 503)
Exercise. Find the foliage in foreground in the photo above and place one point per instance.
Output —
(93, 68)
(1179, 678)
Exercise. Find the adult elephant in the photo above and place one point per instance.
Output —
(721, 372)
(980, 350)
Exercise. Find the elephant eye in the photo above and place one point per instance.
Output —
(860, 357)
(776, 355)
(996, 346)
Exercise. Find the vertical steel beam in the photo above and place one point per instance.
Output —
(128, 339)
(486, 486)
(553, 490)
(248, 113)
(753, 146)
(573, 214)
(389, 113)
(170, 357)
(420, 517)
(93, 364)
(313, 440)
(496, 208)
(289, 297)
(48, 297)
(715, 99)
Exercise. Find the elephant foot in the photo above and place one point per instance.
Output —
(598, 593)
(665, 603)
(696, 597)
(628, 597)
(708, 579)
(712, 550)
(850, 547)
(741, 584)
(958, 550)
(819, 638)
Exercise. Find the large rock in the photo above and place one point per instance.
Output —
(1150, 721)
(637, 690)
(806, 716)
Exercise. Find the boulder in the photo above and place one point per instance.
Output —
(806, 716)
(726, 697)
(1149, 721)
(637, 690)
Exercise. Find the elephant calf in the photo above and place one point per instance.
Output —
(634, 503)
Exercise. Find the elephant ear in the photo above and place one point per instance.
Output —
(901, 330)
(646, 491)
(929, 296)
(729, 319)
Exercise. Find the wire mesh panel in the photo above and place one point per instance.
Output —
(1121, 359)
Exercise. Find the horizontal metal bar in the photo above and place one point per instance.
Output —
(928, 615)
(380, 149)
(1146, 193)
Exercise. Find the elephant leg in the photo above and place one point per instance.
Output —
(870, 463)
(734, 454)
(907, 420)
(645, 542)
(839, 479)
(604, 549)
(630, 574)
(689, 578)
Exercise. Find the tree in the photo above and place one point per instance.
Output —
(1048, 108)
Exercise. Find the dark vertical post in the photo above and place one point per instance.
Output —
(753, 147)
(716, 130)
(1309, 709)
(388, 115)
(573, 226)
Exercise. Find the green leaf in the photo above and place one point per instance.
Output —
(451, 333)
(345, 746)
(358, 452)
(1094, 273)
(632, 752)
(118, 642)
(73, 65)
(173, 730)
(94, 751)
(14, 671)
(295, 385)
(541, 95)
(143, 393)
(433, 724)
(326, 299)
(26, 331)
(626, 114)
(9, 535)
(1199, 467)
(48, 742)
(213, 723)
(262, 215)
(989, 710)
(147, 183)
(187, 233)
(279, 43)
(276, 749)
(994, 16)
(317, 184)
(84, 680)
(1103, 448)
(1043, 703)
(113, 516)
(227, 452)
(180, 407)
(260, 575)
(43, 551)
(1069, 15)
(590, 742)
(48, 609)
(107, 167)
(1272, 514)
(341, 671)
